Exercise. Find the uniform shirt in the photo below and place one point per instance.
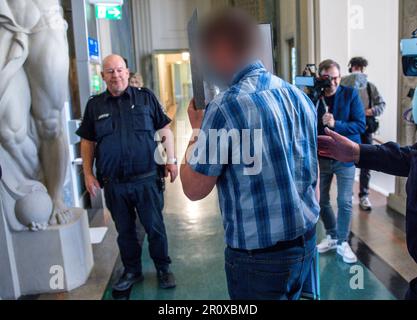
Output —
(277, 203)
(124, 131)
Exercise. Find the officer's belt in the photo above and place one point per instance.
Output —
(130, 179)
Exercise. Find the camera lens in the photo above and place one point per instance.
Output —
(410, 66)
(413, 66)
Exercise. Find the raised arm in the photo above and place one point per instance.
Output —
(389, 158)
(198, 180)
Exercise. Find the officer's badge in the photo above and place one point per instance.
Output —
(104, 116)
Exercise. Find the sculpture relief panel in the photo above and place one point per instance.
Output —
(33, 91)
(37, 229)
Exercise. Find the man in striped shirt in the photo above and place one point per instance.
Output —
(257, 143)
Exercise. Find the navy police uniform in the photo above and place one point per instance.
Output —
(123, 129)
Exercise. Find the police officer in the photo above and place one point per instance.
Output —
(118, 133)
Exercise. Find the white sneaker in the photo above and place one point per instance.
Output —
(365, 204)
(346, 252)
(327, 245)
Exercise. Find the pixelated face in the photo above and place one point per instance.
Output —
(222, 60)
(115, 75)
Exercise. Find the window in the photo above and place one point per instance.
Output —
(292, 61)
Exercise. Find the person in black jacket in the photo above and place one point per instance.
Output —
(389, 158)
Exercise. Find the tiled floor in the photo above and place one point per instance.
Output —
(196, 248)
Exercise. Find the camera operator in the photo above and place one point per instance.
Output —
(374, 106)
(339, 108)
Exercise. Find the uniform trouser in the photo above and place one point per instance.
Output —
(365, 176)
(144, 199)
(345, 176)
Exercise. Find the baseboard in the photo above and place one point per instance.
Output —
(397, 203)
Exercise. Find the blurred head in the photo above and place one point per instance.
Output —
(228, 41)
(136, 80)
(358, 64)
(115, 74)
(331, 69)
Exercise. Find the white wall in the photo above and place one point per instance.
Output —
(344, 34)
(379, 42)
(366, 28)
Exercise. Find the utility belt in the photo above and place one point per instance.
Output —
(157, 174)
(282, 245)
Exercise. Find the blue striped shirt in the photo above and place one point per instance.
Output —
(262, 118)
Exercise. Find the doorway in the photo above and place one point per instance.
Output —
(173, 83)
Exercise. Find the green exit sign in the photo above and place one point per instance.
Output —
(108, 12)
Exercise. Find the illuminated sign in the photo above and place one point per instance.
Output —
(95, 84)
(93, 49)
(108, 12)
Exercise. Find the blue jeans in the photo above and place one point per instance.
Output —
(276, 275)
(345, 176)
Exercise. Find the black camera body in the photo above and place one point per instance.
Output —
(313, 84)
(409, 55)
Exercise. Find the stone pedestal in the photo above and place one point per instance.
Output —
(55, 260)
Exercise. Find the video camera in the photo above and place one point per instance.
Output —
(312, 83)
(409, 53)
(409, 59)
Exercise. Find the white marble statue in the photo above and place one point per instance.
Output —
(34, 66)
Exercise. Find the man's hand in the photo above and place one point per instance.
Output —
(328, 120)
(195, 115)
(338, 147)
(171, 169)
(91, 184)
(369, 112)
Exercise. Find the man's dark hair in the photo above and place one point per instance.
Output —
(327, 64)
(358, 62)
(233, 25)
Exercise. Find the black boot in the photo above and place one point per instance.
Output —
(166, 280)
(127, 280)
